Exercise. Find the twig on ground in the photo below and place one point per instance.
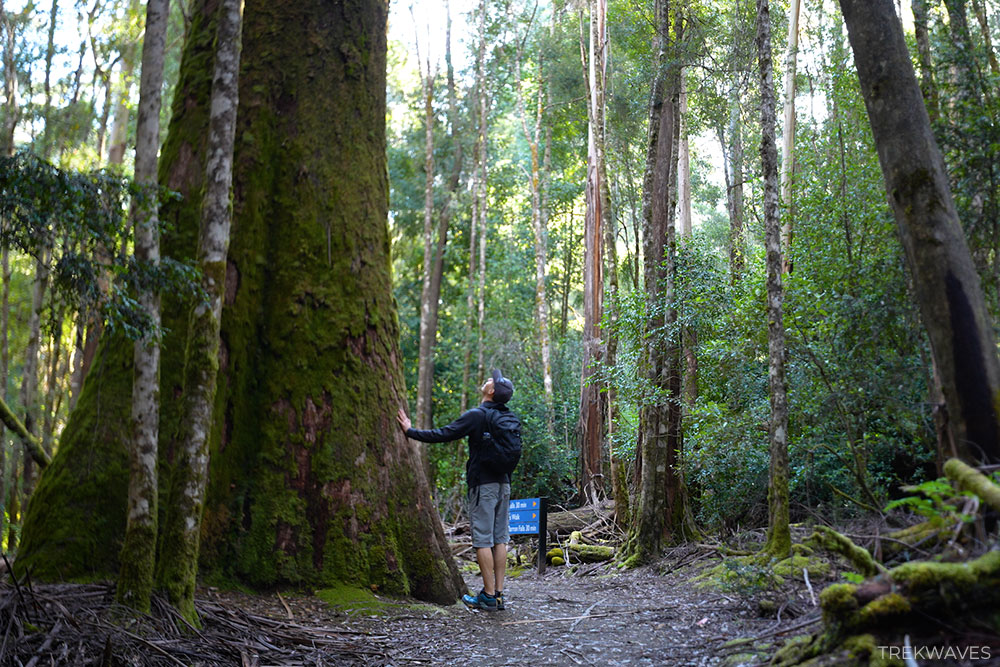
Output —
(812, 595)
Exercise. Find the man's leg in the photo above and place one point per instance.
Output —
(484, 556)
(499, 559)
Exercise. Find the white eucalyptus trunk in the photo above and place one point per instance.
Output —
(788, 134)
(425, 357)
(136, 576)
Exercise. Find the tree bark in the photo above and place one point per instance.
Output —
(660, 510)
(945, 281)
(135, 578)
(177, 566)
(984, 27)
(591, 398)
(779, 541)
(425, 356)
(788, 136)
(311, 482)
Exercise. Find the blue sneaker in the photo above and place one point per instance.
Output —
(481, 601)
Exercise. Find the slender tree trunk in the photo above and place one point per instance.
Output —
(779, 541)
(946, 284)
(46, 148)
(7, 139)
(788, 135)
(591, 397)
(921, 30)
(425, 357)
(734, 189)
(177, 565)
(479, 171)
(30, 370)
(135, 579)
(660, 508)
(533, 135)
(11, 110)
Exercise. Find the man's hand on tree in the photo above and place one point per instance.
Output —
(404, 421)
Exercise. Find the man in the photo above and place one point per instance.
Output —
(489, 490)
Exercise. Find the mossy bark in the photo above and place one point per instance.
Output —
(74, 525)
(971, 480)
(311, 482)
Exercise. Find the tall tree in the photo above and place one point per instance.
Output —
(135, 579)
(591, 397)
(7, 140)
(946, 284)
(922, 33)
(533, 135)
(425, 357)
(480, 198)
(310, 481)
(177, 565)
(660, 512)
(779, 541)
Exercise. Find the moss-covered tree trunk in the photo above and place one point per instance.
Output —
(311, 482)
(779, 541)
(177, 566)
(946, 284)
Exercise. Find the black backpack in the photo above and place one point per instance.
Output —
(501, 448)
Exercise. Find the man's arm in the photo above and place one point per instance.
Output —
(459, 428)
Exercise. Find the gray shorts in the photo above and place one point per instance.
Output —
(488, 506)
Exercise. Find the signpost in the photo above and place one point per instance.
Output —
(529, 516)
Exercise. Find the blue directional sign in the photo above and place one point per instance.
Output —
(523, 516)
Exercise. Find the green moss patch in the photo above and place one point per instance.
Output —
(353, 600)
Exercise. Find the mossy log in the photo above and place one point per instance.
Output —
(579, 518)
(971, 480)
(582, 553)
(898, 602)
(830, 540)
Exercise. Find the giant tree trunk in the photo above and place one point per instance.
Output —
(779, 541)
(177, 567)
(135, 578)
(311, 482)
(947, 287)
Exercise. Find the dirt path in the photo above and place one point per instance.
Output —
(607, 618)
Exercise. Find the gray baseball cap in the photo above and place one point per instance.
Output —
(503, 388)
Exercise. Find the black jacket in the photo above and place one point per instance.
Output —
(471, 423)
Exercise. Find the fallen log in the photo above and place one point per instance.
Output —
(830, 540)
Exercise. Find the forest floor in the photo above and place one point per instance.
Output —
(646, 616)
(595, 615)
